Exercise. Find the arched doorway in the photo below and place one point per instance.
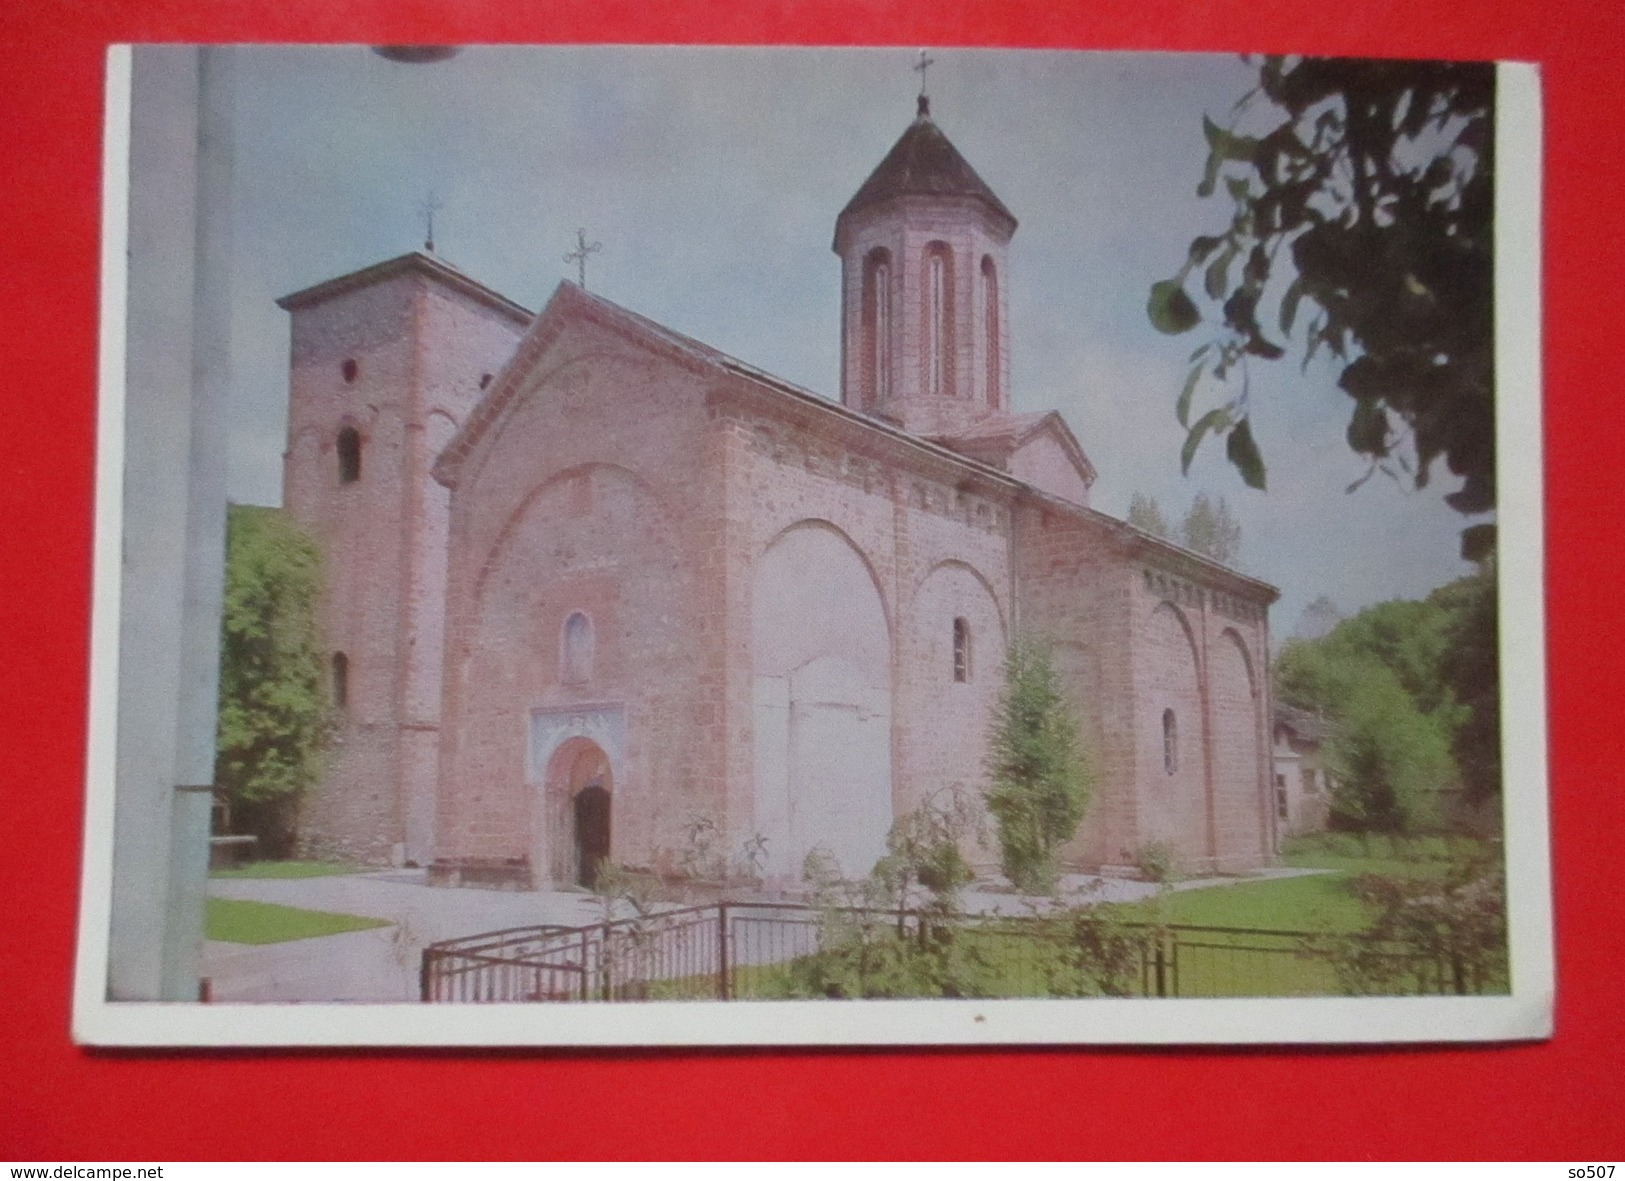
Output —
(580, 785)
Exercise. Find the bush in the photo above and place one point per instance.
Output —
(1428, 934)
(1039, 781)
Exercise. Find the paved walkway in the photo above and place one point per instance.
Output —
(381, 965)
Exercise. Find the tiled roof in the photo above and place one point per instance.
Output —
(1303, 725)
(923, 163)
(431, 265)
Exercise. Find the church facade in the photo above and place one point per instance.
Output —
(594, 586)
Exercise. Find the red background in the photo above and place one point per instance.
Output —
(1561, 1100)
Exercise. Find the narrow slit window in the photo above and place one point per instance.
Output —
(349, 451)
(577, 644)
(939, 319)
(961, 650)
(341, 680)
(995, 363)
(876, 338)
(1170, 741)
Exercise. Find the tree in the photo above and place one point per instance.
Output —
(1471, 667)
(1389, 761)
(1317, 619)
(1364, 196)
(1145, 513)
(1039, 780)
(1383, 679)
(1212, 530)
(275, 717)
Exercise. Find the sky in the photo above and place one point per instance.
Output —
(712, 178)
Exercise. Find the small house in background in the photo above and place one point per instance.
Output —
(1302, 790)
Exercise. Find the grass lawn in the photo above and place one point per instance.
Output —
(236, 921)
(287, 869)
(1315, 903)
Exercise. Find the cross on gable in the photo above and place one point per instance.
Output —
(579, 256)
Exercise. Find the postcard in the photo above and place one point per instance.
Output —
(638, 545)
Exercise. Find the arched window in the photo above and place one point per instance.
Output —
(577, 646)
(348, 370)
(961, 649)
(1170, 741)
(349, 449)
(876, 344)
(341, 680)
(939, 319)
(990, 291)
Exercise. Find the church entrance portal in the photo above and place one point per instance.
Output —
(580, 787)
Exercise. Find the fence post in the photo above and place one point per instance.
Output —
(724, 990)
(1161, 966)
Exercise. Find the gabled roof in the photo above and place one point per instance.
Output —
(996, 439)
(431, 266)
(1301, 724)
(570, 302)
(923, 163)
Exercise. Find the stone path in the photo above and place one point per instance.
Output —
(381, 965)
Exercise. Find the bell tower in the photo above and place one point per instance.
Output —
(925, 340)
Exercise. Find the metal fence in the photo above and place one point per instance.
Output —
(758, 950)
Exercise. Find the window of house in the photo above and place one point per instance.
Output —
(577, 645)
(877, 326)
(1170, 741)
(1310, 785)
(341, 680)
(990, 290)
(349, 451)
(939, 319)
(961, 650)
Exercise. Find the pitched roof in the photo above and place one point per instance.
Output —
(570, 301)
(1000, 436)
(923, 163)
(430, 265)
(1301, 724)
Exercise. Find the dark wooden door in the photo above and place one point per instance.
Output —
(592, 832)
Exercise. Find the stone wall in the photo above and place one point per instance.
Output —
(400, 361)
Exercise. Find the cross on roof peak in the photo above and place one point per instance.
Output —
(923, 63)
(579, 256)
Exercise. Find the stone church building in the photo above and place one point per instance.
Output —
(591, 582)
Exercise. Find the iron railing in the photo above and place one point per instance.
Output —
(751, 950)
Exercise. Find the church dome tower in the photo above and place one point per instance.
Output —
(924, 332)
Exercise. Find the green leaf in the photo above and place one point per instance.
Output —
(1217, 278)
(1210, 175)
(1171, 311)
(1182, 408)
(1242, 451)
(1368, 428)
(1212, 420)
(1477, 542)
(1202, 247)
(1289, 305)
